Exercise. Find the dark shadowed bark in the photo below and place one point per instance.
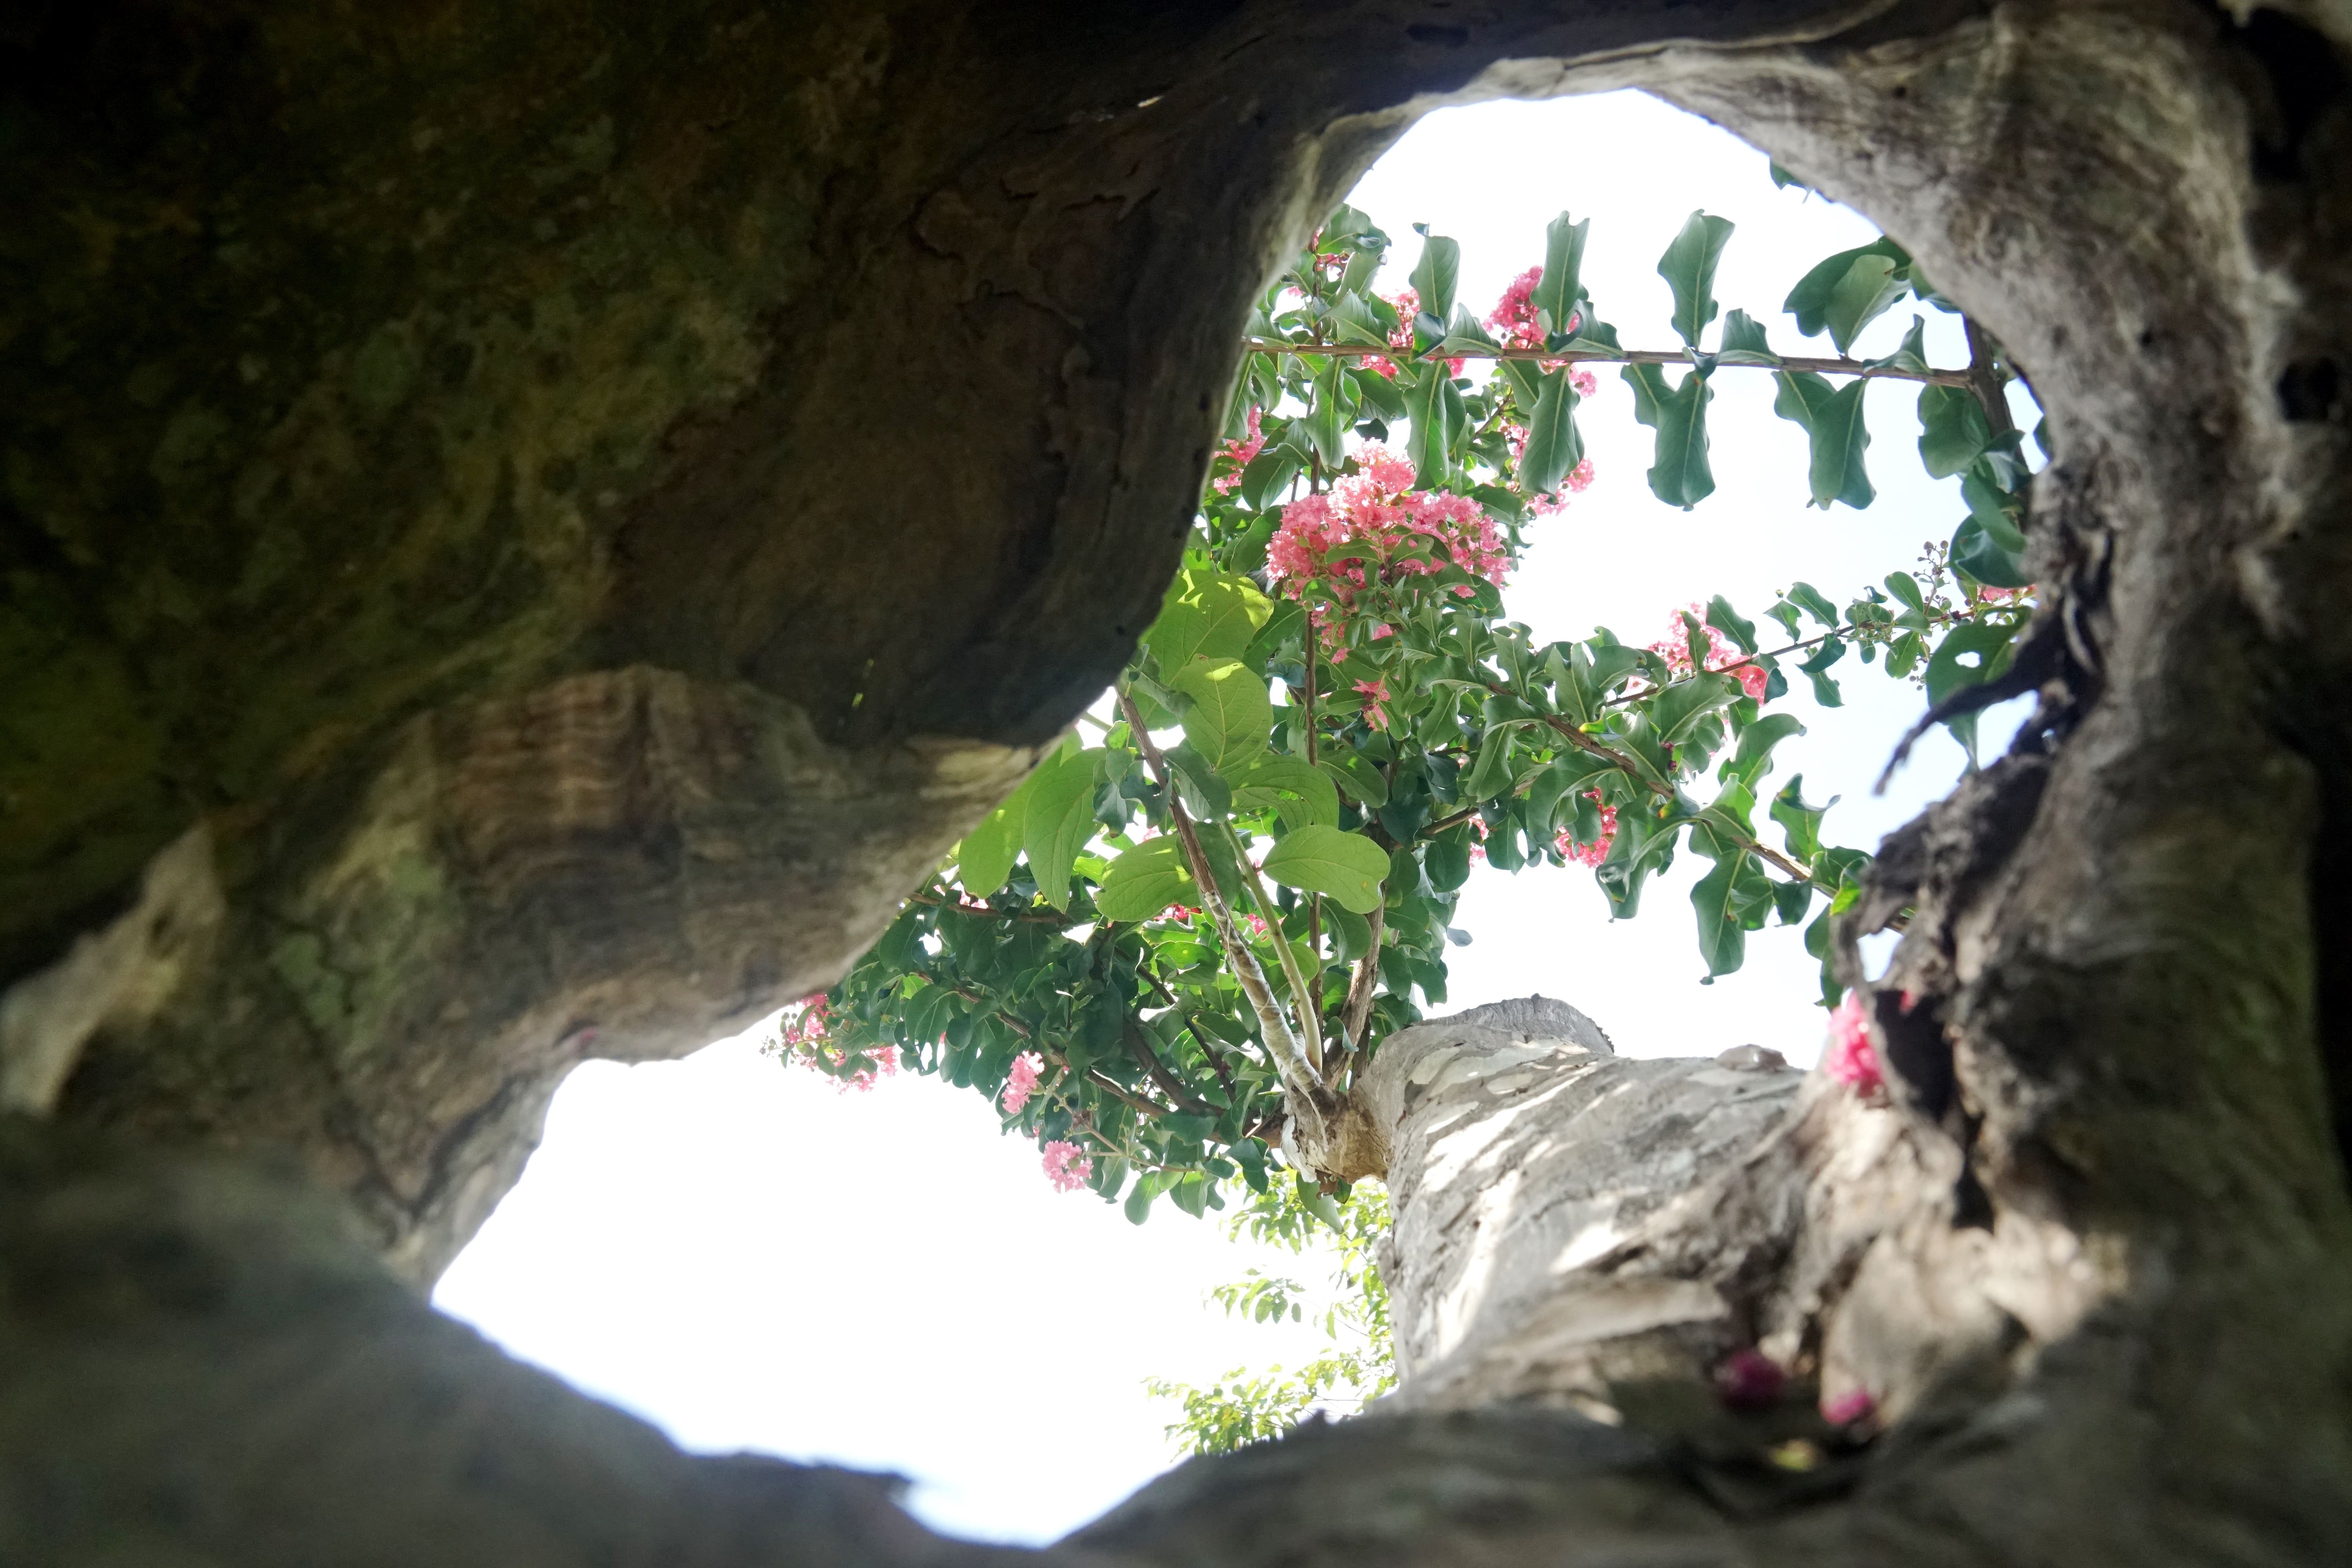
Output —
(473, 601)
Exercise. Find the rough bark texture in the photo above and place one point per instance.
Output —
(473, 599)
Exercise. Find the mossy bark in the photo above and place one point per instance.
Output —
(570, 510)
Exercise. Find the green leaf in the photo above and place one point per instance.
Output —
(1949, 670)
(1526, 379)
(1814, 603)
(985, 859)
(1991, 550)
(1269, 474)
(1681, 476)
(1562, 286)
(1377, 390)
(1357, 775)
(1754, 757)
(1059, 820)
(1437, 274)
(1205, 796)
(1849, 290)
(1554, 448)
(1352, 322)
(1138, 1202)
(1642, 846)
(1912, 356)
(1347, 866)
(1688, 267)
(1800, 822)
(1331, 412)
(1553, 784)
(1465, 335)
(1351, 933)
(1145, 880)
(1429, 443)
(1953, 432)
(1833, 418)
(1491, 774)
(1717, 898)
(1731, 624)
(1230, 716)
(1680, 706)
(1293, 787)
(1744, 341)
(1816, 668)
(1207, 615)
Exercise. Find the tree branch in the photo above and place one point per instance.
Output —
(1359, 1008)
(1289, 1059)
(1984, 377)
(1857, 367)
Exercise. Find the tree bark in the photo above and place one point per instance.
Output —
(529, 530)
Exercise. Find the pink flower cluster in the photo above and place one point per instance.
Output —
(1721, 656)
(884, 1061)
(1512, 319)
(808, 1025)
(1597, 852)
(1580, 478)
(1850, 1058)
(806, 1036)
(1241, 452)
(1067, 1167)
(1375, 693)
(1371, 517)
(1021, 1081)
(1406, 303)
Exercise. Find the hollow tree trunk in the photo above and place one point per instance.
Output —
(462, 558)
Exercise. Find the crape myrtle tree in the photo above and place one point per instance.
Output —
(1170, 954)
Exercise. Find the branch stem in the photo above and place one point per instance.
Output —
(1290, 1059)
(1855, 367)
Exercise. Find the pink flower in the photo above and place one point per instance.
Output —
(1406, 303)
(1067, 1167)
(808, 1025)
(1579, 478)
(1021, 1081)
(1376, 693)
(1383, 533)
(1256, 924)
(883, 1060)
(1721, 656)
(1845, 1409)
(1597, 852)
(1850, 1058)
(1241, 452)
(1750, 1380)
(1512, 318)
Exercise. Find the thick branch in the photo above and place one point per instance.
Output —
(1297, 1072)
(1984, 378)
(1366, 981)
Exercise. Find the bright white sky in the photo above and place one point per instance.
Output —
(751, 1260)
